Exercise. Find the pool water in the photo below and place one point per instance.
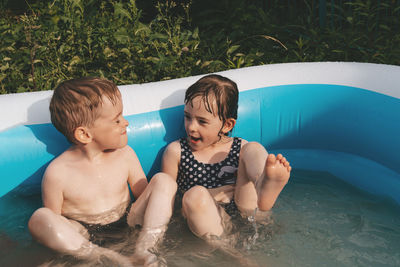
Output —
(318, 221)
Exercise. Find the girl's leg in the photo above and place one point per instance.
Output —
(201, 212)
(207, 220)
(261, 178)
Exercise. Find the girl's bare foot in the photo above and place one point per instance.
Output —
(276, 175)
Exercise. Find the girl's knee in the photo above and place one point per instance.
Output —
(251, 148)
(253, 157)
(197, 198)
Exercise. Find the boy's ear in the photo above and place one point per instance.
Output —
(229, 124)
(82, 135)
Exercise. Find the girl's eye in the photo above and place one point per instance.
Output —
(203, 121)
(117, 121)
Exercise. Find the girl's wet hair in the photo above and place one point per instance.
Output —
(76, 103)
(216, 88)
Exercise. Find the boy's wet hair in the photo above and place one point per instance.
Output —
(76, 103)
(219, 88)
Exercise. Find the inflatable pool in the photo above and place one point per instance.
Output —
(342, 118)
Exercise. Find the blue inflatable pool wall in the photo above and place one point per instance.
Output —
(342, 118)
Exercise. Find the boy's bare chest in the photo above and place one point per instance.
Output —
(95, 188)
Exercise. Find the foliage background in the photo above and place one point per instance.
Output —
(128, 41)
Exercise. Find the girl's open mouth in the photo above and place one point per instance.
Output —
(194, 140)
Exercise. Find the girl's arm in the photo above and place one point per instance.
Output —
(170, 159)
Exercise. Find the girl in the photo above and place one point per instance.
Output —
(214, 171)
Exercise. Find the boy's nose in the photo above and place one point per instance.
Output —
(126, 122)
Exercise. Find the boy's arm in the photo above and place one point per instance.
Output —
(52, 190)
(170, 159)
(137, 178)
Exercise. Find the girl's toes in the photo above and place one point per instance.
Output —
(271, 159)
(286, 164)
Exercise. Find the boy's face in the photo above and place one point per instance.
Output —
(109, 129)
(202, 127)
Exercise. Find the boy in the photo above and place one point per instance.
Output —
(85, 190)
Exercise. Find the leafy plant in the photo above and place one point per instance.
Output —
(61, 39)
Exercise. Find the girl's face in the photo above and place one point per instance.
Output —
(203, 128)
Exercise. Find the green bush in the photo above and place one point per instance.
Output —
(358, 30)
(62, 39)
(73, 38)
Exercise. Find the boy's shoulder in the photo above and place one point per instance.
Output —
(72, 158)
(66, 158)
(57, 170)
(70, 163)
(128, 154)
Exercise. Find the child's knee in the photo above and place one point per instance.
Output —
(38, 218)
(197, 198)
(251, 149)
(41, 220)
(253, 157)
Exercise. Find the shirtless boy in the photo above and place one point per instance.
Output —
(86, 187)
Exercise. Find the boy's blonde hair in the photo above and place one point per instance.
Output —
(76, 103)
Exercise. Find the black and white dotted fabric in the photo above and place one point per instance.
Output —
(192, 172)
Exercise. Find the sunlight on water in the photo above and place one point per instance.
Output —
(317, 221)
